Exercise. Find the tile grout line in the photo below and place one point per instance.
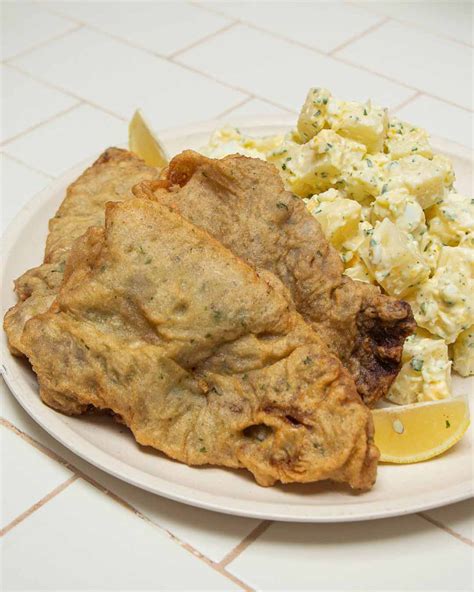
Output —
(236, 106)
(336, 58)
(37, 125)
(447, 529)
(73, 29)
(411, 24)
(125, 41)
(225, 84)
(44, 500)
(367, 31)
(245, 542)
(27, 165)
(80, 474)
(156, 55)
(172, 55)
(406, 102)
(64, 91)
(220, 566)
(231, 86)
(395, 81)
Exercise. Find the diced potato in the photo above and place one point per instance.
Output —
(365, 178)
(452, 218)
(358, 270)
(427, 180)
(313, 113)
(394, 260)
(404, 139)
(402, 209)
(339, 217)
(317, 165)
(425, 374)
(363, 123)
(444, 305)
(463, 352)
(430, 248)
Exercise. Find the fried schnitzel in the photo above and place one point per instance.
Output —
(110, 178)
(201, 356)
(242, 202)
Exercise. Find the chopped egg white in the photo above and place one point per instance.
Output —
(425, 374)
(394, 259)
(452, 218)
(444, 304)
(402, 209)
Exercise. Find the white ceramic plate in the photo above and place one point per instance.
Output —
(399, 489)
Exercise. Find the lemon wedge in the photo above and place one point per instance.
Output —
(143, 142)
(413, 433)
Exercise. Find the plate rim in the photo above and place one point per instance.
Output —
(50, 420)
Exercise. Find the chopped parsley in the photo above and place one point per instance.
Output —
(416, 364)
(448, 425)
(282, 205)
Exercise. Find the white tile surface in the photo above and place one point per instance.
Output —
(406, 553)
(212, 534)
(283, 72)
(440, 119)
(254, 107)
(19, 184)
(70, 138)
(27, 475)
(25, 25)
(437, 66)
(459, 518)
(121, 78)
(322, 25)
(161, 27)
(450, 19)
(25, 103)
(83, 540)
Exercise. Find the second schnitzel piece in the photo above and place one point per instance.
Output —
(242, 202)
(203, 358)
(110, 178)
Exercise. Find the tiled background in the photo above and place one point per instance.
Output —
(72, 73)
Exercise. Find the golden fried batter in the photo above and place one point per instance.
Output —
(203, 358)
(110, 178)
(241, 202)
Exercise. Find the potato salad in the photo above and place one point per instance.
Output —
(387, 203)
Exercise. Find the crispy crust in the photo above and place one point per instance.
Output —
(203, 358)
(111, 177)
(241, 201)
